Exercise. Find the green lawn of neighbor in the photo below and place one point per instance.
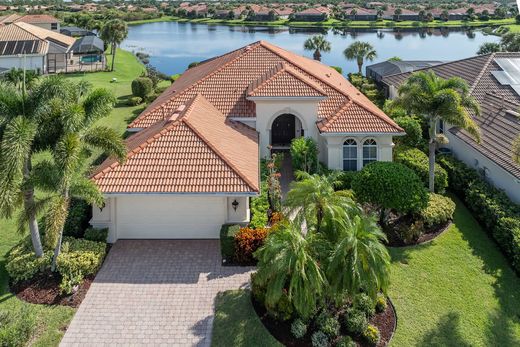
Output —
(457, 290)
(52, 320)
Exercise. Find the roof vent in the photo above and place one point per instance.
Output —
(248, 48)
(328, 75)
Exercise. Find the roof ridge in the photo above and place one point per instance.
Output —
(328, 121)
(17, 24)
(481, 73)
(191, 86)
(220, 155)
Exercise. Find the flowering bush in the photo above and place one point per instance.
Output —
(247, 241)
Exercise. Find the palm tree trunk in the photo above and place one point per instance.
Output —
(114, 49)
(29, 207)
(432, 147)
(57, 249)
(317, 55)
(360, 66)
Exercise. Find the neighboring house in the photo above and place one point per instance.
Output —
(311, 15)
(38, 49)
(194, 162)
(44, 21)
(90, 51)
(495, 83)
(391, 67)
(76, 32)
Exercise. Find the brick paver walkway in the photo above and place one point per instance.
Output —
(154, 292)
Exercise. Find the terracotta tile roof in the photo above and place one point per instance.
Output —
(37, 19)
(21, 31)
(283, 80)
(499, 103)
(225, 81)
(196, 150)
(10, 18)
(15, 39)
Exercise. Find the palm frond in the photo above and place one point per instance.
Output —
(86, 189)
(55, 218)
(98, 104)
(108, 140)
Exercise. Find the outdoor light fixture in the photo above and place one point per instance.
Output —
(235, 204)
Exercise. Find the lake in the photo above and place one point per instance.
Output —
(172, 45)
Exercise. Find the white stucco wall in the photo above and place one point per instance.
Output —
(334, 146)
(168, 216)
(495, 175)
(34, 62)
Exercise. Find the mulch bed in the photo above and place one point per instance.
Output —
(45, 289)
(395, 241)
(385, 321)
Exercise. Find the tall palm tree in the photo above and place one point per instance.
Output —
(434, 98)
(318, 44)
(398, 12)
(114, 32)
(25, 131)
(286, 262)
(63, 175)
(360, 51)
(353, 13)
(313, 201)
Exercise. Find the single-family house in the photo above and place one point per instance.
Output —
(359, 13)
(494, 82)
(76, 32)
(43, 21)
(313, 14)
(193, 163)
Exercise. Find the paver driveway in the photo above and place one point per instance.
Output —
(154, 292)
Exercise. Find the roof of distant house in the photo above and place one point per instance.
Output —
(38, 19)
(392, 67)
(499, 122)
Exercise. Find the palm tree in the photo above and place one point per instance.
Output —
(313, 201)
(318, 44)
(63, 175)
(360, 51)
(286, 262)
(114, 32)
(489, 47)
(380, 13)
(434, 98)
(353, 13)
(359, 248)
(25, 131)
(510, 42)
(398, 12)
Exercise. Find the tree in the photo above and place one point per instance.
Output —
(313, 201)
(25, 130)
(19, 78)
(318, 44)
(304, 154)
(380, 13)
(114, 32)
(63, 176)
(510, 42)
(516, 150)
(434, 98)
(360, 51)
(445, 15)
(398, 12)
(489, 47)
(353, 13)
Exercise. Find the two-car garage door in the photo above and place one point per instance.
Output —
(169, 216)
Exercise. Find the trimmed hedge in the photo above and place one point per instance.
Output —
(440, 209)
(417, 160)
(489, 205)
(247, 241)
(142, 86)
(227, 240)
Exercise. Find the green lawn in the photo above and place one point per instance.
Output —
(455, 291)
(51, 320)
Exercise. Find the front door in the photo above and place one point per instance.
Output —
(283, 130)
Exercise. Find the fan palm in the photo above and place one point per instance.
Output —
(360, 51)
(114, 32)
(63, 175)
(313, 201)
(286, 262)
(318, 44)
(434, 98)
(24, 132)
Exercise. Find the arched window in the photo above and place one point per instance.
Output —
(369, 151)
(350, 155)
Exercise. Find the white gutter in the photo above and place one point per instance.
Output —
(187, 194)
(281, 98)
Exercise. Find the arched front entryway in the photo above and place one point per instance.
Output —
(285, 128)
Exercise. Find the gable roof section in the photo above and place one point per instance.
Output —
(283, 80)
(37, 19)
(45, 34)
(16, 40)
(196, 150)
(226, 80)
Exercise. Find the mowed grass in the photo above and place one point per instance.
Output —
(457, 290)
(53, 320)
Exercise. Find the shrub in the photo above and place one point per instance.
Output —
(141, 87)
(507, 235)
(355, 321)
(364, 303)
(283, 309)
(345, 341)
(98, 235)
(460, 176)
(16, 326)
(151, 97)
(410, 233)
(338, 69)
(439, 210)
(80, 213)
(160, 90)
(175, 77)
(227, 240)
(22, 264)
(345, 179)
(247, 241)
(371, 335)
(416, 160)
(257, 290)
(259, 207)
(304, 153)
(135, 100)
(320, 339)
(413, 130)
(298, 328)
(79, 258)
(381, 303)
(330, 327)
(390, 186)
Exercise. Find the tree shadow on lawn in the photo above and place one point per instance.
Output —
(445, 333)
(506, 284)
